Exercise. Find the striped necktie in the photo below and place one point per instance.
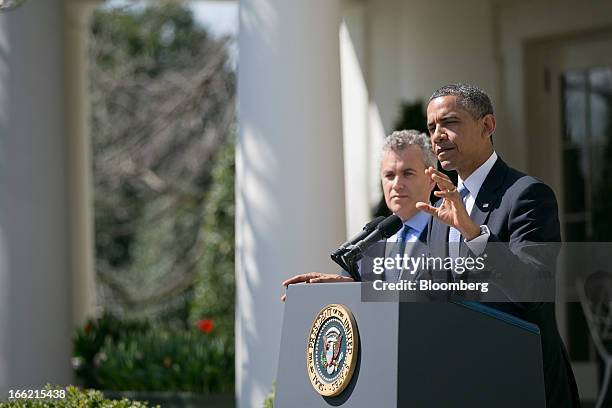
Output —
(399, 248)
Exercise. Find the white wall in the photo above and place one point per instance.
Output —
(417, 46)
(524, 21)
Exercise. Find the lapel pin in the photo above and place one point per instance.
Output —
(485, 205)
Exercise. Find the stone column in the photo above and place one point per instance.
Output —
(35, 295)
(79, 158)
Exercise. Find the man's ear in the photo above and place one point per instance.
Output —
(489, 125)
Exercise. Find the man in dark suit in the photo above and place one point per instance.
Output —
(406, 155)
(494, 203)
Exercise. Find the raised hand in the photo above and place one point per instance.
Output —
(452, 210)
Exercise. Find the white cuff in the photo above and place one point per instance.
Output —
(478, 244)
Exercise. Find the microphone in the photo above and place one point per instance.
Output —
(367, 229)
(384, 230)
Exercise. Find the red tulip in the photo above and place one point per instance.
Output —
(205, 325)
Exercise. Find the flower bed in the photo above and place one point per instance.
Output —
(111, 354)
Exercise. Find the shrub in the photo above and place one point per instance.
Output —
(269, 401)
(144, 356)
(74, 398)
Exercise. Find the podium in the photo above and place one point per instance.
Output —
(414, 354)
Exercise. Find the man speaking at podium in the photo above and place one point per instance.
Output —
(405, 156)
(494, 203)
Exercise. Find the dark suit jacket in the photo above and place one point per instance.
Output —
(379, 250)
(521, 210)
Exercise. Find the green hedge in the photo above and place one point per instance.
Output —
(74, 398)
(111, 354)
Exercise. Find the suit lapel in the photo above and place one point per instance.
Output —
(423, 236)
(366, 266)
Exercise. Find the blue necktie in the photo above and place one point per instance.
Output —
(399, 248)
(454, 237)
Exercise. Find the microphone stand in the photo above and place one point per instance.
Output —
(351, 266)
(347, 261)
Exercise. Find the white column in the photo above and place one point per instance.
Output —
(35, 322)
(79, 157)
(358, 167)
(289, 181)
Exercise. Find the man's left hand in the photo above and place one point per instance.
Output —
(315, 277)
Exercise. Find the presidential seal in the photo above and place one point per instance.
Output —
(331, 354)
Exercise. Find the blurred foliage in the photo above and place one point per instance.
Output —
(214, 292)
(75, 398)
(411, 116)
(88, 340)
(117, 354)
(163, 107)
(269, 401)
(161, 33)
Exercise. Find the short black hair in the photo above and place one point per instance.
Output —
(471, 98)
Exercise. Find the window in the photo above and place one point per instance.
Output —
(587, 173)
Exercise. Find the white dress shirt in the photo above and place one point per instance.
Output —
(473, 183)
(417, 222)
